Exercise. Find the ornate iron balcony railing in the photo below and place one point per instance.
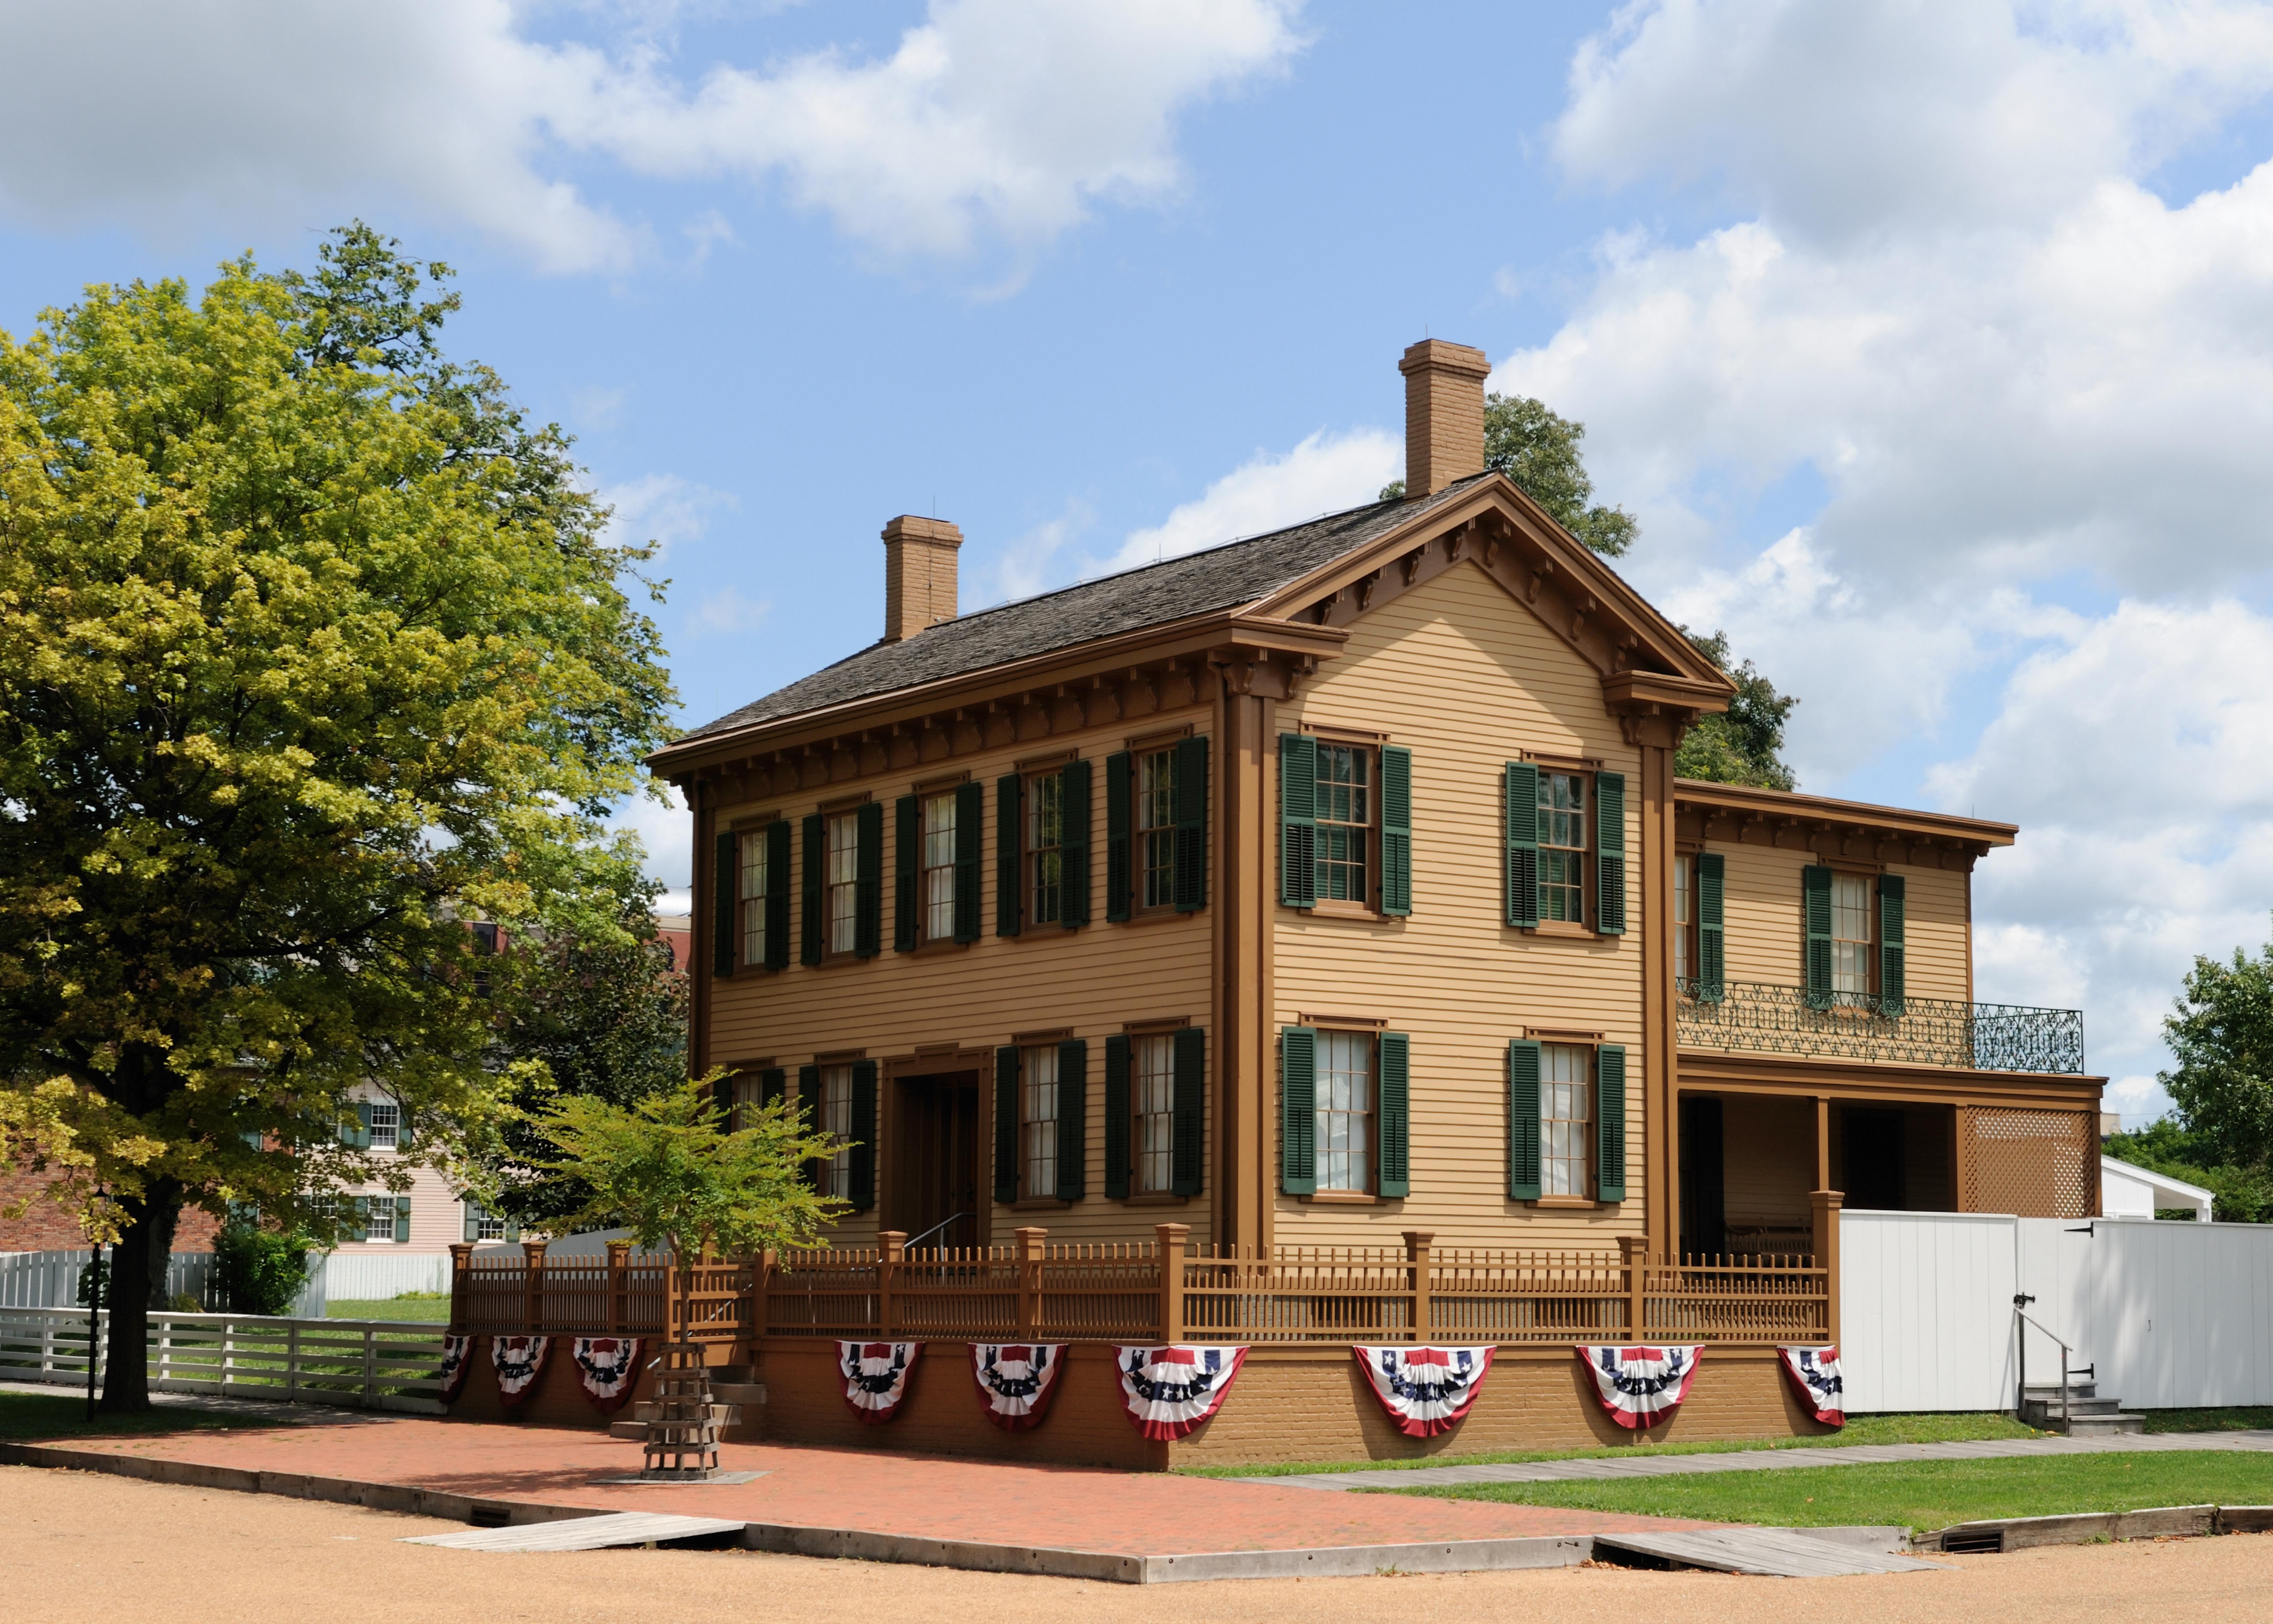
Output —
(1761, 1018)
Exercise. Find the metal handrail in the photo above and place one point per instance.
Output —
(2020, 1390)
(909, 1246)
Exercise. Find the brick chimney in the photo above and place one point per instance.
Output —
(918, 574)
(1443, 414)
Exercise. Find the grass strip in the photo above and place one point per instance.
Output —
(1917, 1495)
(424, 1309)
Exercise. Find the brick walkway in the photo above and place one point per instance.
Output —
(1773, 1460)
(923, 1496)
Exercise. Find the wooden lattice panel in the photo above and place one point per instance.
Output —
(2034, 1164)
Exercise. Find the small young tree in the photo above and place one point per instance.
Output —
(666, 1167)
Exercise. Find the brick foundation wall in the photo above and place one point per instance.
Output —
(45, 1227)
(558, 1398)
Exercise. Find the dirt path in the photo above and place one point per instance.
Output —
(80, 1547)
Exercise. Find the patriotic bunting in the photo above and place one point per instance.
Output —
(1170, 1391)
(1017, 1381)
(1425, 1390)
(518, 1360)
(609, 1367)
(1822, 1388)
(457, 1359)
(876, 1377)
(1641, 1386)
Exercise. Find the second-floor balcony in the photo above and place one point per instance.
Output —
(1761, 1018)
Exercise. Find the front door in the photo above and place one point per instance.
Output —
(936, 1196)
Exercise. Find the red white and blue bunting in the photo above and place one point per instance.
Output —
(518, 1360)
(1822, 1387)
(1170, 1391)
(457, 1359)
(1017, 1380)
(1425, 1390)
(609, 1367)
(1641, 1386)
(876, 1377)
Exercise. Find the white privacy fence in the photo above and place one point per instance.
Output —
(374, 1276)
(2168, 1315)
(52, 1280)
(370, 1364)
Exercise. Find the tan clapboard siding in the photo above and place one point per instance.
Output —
(1093, 979)
(1936, 935)
(1467, 677)
(1768, 1161)
(1766, 936)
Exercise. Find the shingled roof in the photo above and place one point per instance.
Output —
(1222, 577)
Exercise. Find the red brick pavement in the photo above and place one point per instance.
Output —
(930, 1497)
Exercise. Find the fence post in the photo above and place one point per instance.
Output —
(1031, 1240)
(533, 1281)
(292, 1362)
(620, 1263)
(891, 1251)
(461, 1268)
(370, 1367)
(1171, 1239)
(165, 1354)
(1416, 1261)
(761, 1297)
(1825, 1204)
(1636, 1263)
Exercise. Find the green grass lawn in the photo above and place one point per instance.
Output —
(1909, 1429)
(430, 1310)
(2245, 1417)
(25, 1417)
(1918, 1494)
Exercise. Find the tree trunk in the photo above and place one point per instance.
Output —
(140, 1255)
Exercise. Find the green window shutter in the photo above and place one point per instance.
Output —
(721, 1095)
(1610, 853)
(1117, 1120)
(808, 1117)
(861, 1172)
(402, 1221)
(1006, 1124)
(1117, 810)
(1522, 1120)
(773, 1083)
(1892, 890)
(1298, 820)
(778, 894)
(1188, 1103)
(1395, 1117)
(1298, 1110)
(403, 1130)
(722, 890)
(1610, 1123)
(816, 858)
(868, 872)
(473, 1223)
(1519, 794)
(907, 871)
(1396, 829)
(1191, 825)
(970, 817)
(1073, 1119)
(1815, 908)
(1010, 815)
(1073, 843)
(359, 1138)
(1712, 938)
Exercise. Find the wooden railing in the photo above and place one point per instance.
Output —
(370, 1364)
(536, 1295)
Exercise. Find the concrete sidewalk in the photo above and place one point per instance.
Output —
(1769, 1459)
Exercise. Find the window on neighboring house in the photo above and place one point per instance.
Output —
(485, 1226)
(1156, 829)
(1045, 849)
(385, 1218)
(835, 1117)
(386, 1125)
(1685, 918)
(1038, 1120)
(1566, 1119)
(757, 886)
(1345, 817)
(1563, 847)
(1852, 937)
(843, 884)
(1346, 1107)
(1152, 1093)
(939, 866)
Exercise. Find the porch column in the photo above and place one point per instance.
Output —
(1822, 1142)
(462, 1263)
(1825, 1204)
(1242, 1055)
(533, 1281)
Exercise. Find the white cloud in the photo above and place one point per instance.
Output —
(1325, 472)
(668, 833)
(993, 120)
(663, 508)
(726, 612)
(1024, 566)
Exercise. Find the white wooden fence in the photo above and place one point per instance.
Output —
(374, 1276)
(2168, 1315)
(370, 1364)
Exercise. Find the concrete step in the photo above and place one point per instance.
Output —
(2050, 1390)
(2103, 1425)
(630, 1431)
(2037, 1411)
(738, 1393)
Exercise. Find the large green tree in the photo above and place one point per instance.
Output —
(2220, 1031)
(1745, 743)
(312, 648)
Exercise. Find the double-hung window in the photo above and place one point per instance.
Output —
(833, 1116)
(1153, 1094)
(1046, 848)
(1685, 919)
(1156, 829)
(842, 882)
(1563, 847)
(386, 1127)
(1038, 1119)
(1345, 819)
(1566, 1119)
(938, 866)
(1852, 940)
(1345, 1111)
(757, 884)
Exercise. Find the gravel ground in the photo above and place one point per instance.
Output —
(83, 1547)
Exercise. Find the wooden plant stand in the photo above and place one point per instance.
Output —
(682, 1439)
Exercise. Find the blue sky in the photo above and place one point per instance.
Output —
(1931, 342)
